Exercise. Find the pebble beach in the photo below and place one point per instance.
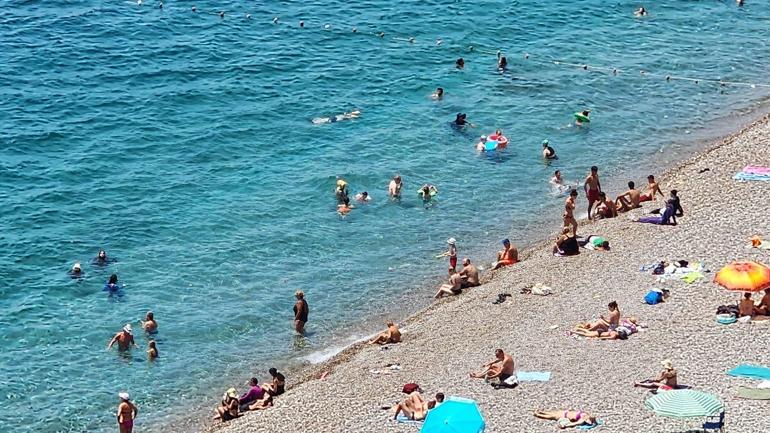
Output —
(454, 336)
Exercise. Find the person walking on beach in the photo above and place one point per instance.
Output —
(629, 199)
(124, 338)
(469, 274)
(501, 367)
(394, 188)
(301, 311)
(592, 188)
(127, 412)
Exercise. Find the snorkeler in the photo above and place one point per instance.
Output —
(338, 118)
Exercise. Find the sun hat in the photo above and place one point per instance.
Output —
(124, 395)
(451, 241)
(128, 328)
(76, 266)
(232, 392)
(667, 364)
(545, 142)
(341, 183)
(483, 137)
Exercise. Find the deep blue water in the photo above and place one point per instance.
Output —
(182, 143)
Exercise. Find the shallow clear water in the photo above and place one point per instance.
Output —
(182, 144)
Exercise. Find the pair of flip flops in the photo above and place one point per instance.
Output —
(501, 298)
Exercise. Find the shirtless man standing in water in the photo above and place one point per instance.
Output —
(124, 338)
(592, 188)
(394, 189)
(569, 207)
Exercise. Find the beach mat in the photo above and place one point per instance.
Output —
(590, 426)
(752, 176)
(753, 394)
(403, 419)
(533, 376)
(752, 371)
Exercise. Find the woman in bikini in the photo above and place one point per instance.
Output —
(567, 418)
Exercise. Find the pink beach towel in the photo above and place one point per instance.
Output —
(756, 169)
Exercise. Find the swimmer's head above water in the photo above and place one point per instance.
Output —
(460, 63)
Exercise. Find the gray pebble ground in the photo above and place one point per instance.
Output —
(446, 341)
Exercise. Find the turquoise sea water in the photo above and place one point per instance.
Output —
(182, 143)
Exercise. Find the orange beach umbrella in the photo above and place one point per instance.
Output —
(744, 277)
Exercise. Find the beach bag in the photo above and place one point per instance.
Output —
(410, 388)
(652, 297)
(660, 269)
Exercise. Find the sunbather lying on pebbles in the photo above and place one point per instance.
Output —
(621, 332)
(666, 378)
(501, 368)
(392, 335)
(567, 418)
(594, 242)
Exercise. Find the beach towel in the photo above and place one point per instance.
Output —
(756, 169)
(753, 394)
(751, 176)
(533, 376)
(692, 277)
(403, 419)
(751, 371)
(590, 426)
(650, 220)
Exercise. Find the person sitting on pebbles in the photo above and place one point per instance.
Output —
(622, 332)
(508, 256)
(666, 379)
(746, 306)
(453, 287)
(414, 405)
(392, 335)
(605, 323)
(567, 418)
(502, 368)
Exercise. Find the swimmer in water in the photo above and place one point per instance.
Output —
(438, 94)
(584, 113)
(394, 188)
(152, 350)
(149, 324)
(363, 197)
(641, 12)
(482, 144)
(460, 120)
(548, 152)
(502, 63)
(341, 191)
(76, 271)
(460, 63)
(101, 258)
(112, 285)
(338, 118)
(427, 192)
(556, 180)
(344, 208)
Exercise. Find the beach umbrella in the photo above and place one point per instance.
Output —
(744, 277)
(684, 403)
(454, 415)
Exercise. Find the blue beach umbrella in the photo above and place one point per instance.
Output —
(454, 415)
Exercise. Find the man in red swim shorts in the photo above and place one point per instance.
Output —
(652, 189)
(592, 188)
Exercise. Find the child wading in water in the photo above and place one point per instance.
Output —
(451, 253)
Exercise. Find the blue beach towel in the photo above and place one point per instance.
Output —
(533, 376)
(590, 426)
(751, 176)
(403, 419)
(752, 371)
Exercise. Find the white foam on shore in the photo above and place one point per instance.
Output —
(330, 352)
